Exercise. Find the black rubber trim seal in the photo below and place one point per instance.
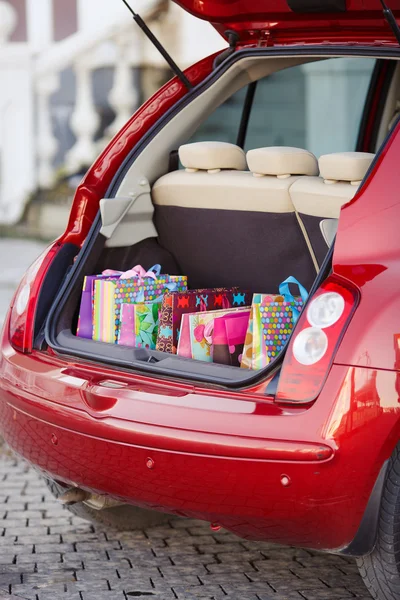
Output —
(381, 107)
(317, 6)
(76, 271)
(366, 536)
(389, 67)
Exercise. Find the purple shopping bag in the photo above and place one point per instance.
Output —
(85, 319)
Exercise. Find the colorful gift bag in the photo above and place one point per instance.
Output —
(228, 338)
(260, 358)
(127, 333)
(146, 324)
(247, 356)
(175, 305)
(278, 316)
(195, 340)
(132, 287)
(85, 319)
(85, 324)
(139, 325)
(272, 320)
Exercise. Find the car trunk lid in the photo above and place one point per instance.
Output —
(260, 22)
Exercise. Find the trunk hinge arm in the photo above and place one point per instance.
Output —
(391, 19)
(150, 35)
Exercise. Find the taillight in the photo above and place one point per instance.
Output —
(315, 341)
(23, 308)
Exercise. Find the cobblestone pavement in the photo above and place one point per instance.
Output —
(47, 554)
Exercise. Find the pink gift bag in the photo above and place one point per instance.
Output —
(196, 334)
(228, 338)
(127, 333)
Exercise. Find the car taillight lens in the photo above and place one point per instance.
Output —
(23, 308)
(315, 341)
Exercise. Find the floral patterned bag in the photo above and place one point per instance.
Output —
(146, 324)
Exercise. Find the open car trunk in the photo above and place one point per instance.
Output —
(147, 252)
(249, 248)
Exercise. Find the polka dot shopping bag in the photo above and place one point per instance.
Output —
(271, 322)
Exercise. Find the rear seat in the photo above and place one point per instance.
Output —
(317, 199)
(225, 226)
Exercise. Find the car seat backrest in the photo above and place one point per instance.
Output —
(226, 226)
(319, 198)
(212, 157)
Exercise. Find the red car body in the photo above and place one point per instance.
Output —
(307, 475)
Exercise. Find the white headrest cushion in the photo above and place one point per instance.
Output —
(345, 166)
(212, 155)
(280, 160)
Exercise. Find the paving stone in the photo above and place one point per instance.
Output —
(328, 594)
(104, 595)
(99, 585)
(46, 553)
(202, 594)
(4, 595)
(46, 548)
(7, 579)
(49, 595)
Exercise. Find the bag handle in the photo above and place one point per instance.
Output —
(138, 272)
(112, 273)
(156, 269)
(284, 290)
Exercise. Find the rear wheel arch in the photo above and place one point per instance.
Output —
(380, 569)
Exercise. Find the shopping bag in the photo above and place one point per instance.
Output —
(228, 338)
(260, 358)
(279, 315)
(175, 305)
(126, 333)
(132, 287)
(196, 336)
(247, 355)
(271, 322)
(85, 323)
(146, 324)
(138, 326)
(86, 309)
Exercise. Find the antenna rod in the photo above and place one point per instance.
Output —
(390, 18)
(138, 19)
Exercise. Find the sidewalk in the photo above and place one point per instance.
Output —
(15, 257)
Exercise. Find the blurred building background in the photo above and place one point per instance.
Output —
(71, 74)
(73, 71)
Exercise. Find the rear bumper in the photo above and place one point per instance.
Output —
(199, 455)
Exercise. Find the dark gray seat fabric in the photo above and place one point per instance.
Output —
(222, 248)
(236, 228)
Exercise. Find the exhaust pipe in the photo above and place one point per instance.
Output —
(95, 501)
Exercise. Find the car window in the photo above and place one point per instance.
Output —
(317, 106)
(222, 125)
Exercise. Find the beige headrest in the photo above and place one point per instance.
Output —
(212, 156)
(282, 161)
(345, 166)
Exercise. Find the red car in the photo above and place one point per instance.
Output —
(306, 451)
